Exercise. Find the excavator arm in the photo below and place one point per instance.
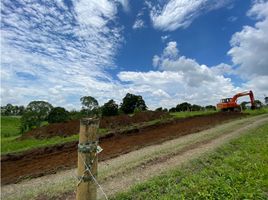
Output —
(250, 93)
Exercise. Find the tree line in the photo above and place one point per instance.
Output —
(36, 112)
(12, 110)
(185, 106)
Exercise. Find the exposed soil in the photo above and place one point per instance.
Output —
(126, 120)
(51, 159)
(72, 127)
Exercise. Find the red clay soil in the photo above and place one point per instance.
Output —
(72, 127)
(49, 160)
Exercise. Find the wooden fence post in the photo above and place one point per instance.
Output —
(87, 159)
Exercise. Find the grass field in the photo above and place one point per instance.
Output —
(191, 114)
(12, 145)
(238, 170)
(10, 126)
(257, 111)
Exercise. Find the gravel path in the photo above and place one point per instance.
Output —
(120, 173)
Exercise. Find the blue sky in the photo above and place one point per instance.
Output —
(168, 51)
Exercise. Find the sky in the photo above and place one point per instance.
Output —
(168, 51)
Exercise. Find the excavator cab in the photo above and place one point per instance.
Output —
(227, 100)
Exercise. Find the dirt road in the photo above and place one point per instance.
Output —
(120, 173)
(35, 163)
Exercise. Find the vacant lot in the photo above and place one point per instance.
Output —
(38, 162)
(118, 174)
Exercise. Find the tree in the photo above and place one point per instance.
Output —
(57, 115)
(183, 107)
(195, 107)
(210, 107)
(89, 105)
(244, 105)
(28, 121)
(75, 114)
(36, 112)
(110, 108)
(266, 100)
(165, 110)
(10, 109)
(7, 110)
(173, 109)
(159, 109)
(258, 103)
(132, 102)
(21, 110)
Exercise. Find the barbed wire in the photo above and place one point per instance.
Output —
(92, 176)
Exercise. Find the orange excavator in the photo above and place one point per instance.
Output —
(230, 104)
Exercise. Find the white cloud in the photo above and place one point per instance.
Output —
(259, 87)
(125, 5)
(222, 69)
(90, 13)
(180, 79)
(171, 50)
(156, 60)
(250, 46)
(165, 77)
(180, 13)
(195, 74)
(165, 37)
(58, 52)
(250, 51)
(138, 24)
(232, 19)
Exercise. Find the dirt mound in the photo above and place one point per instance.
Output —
(126, 120)
(58, 129)
(51, 159)
(72, 127)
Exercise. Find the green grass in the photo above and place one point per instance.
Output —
(10, 126)
(257, 111)
(191, 114)
(238, 170)
(12, 145)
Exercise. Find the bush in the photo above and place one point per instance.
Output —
(57, 115)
